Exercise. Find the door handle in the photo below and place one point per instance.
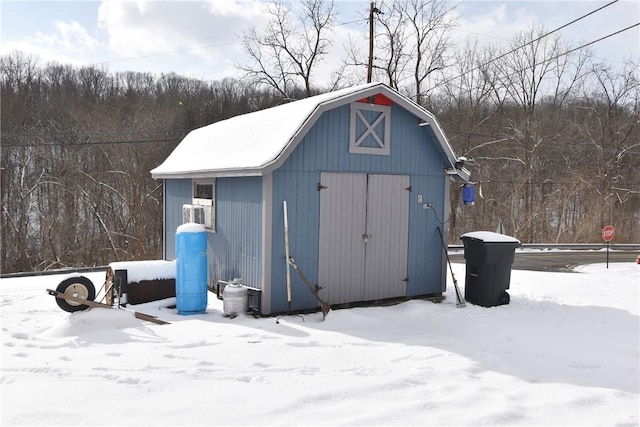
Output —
(366, 237)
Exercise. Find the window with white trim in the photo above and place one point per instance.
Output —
(204, 192)
(370, 129)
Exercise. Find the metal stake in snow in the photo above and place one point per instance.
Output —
(459, 298)
(608, 233)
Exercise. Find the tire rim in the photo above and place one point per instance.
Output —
(77, 290)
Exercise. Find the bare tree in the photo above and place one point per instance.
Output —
(612, 129)
(393, 46)
(520, 81)
(19, 173)
(464, 103)
(77, 147)
(414, 43)
(286, 53)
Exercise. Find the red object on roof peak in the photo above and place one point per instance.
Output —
(378, 99)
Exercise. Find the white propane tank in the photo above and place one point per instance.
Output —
(235, 299)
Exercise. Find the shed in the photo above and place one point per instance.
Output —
(365, 173)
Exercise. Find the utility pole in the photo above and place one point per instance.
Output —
(372, 9)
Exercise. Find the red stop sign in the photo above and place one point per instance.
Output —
(608, 233)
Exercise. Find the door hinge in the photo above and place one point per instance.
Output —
(321, 187)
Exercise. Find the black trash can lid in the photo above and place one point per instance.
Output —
(490, 236)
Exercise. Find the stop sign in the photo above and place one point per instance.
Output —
(608, 233)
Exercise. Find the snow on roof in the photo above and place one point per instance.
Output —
(247, 141)
(246, 144)
(490, 236)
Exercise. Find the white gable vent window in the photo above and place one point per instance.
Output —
(370, 129)
(204, 192)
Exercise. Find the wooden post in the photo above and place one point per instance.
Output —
(286, 250)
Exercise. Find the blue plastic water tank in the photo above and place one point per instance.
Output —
(191, 269)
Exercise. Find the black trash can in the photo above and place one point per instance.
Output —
(488, 258)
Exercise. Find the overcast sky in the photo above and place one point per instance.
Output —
(199, 38)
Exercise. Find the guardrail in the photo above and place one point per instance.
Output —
(626, 247)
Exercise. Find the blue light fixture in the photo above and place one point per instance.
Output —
(468, 194)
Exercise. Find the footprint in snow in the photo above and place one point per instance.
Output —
(20, 336)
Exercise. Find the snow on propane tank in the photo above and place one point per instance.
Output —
(235, 298)
(191, 269)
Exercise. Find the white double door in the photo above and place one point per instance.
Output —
(364, 235)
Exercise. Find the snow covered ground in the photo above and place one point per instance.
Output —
(565, 351)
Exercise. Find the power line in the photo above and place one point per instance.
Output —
(595, 41)
(167, 53)
(545, 60)
(478, 34)
(356, 21)
(503, 39)
(533, 41)
(88, 134)
(74, 144)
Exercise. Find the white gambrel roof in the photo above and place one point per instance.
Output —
(258, 142)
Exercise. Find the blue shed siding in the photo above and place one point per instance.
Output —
(177, 192)
(299, 189)
(414, 152)
(414, 149)
(425, 249)
(235, 247)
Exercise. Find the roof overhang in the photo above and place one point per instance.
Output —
(218, 173)
(460, 174)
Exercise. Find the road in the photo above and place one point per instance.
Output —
(558, 260)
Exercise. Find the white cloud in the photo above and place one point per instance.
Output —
(200, 36)
(40, 53)
(494, 23)
(68, 35)
(69, 43)
(250, 9)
